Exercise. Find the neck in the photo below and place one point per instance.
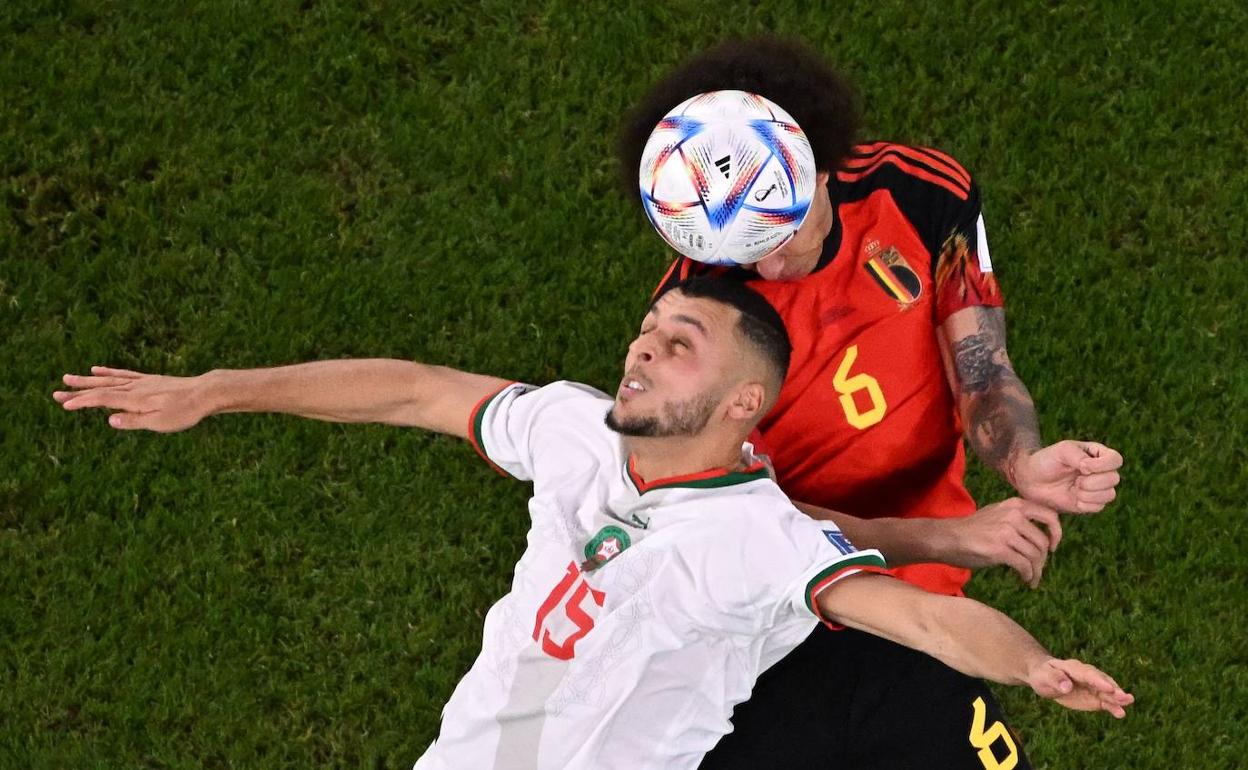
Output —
(660, 458)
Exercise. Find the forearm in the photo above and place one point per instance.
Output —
(368, 390)
(980, 641)
(998, 414)
(365, 390)
(902, 541)
(962, 633)
(1001, 424)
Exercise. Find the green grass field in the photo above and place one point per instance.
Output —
(229, 184)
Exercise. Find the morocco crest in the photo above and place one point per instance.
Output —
(604, 546)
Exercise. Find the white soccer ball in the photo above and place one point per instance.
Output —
(727, 177)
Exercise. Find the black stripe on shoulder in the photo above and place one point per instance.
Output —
(928, 166)
(948, 162)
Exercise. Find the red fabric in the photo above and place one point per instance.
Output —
(911, 462)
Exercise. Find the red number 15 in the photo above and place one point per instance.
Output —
(565, 650)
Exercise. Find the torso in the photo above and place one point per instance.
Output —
(626, 592)
(866, 423)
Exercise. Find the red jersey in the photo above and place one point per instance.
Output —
(866, 422)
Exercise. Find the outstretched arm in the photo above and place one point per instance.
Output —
(366, 390)
(970, 637)
(999, 419)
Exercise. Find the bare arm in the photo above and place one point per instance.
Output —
(999, 419)
(366, 390)
(998, 415)
(902, 541)
(1017, 533)
(970, 637)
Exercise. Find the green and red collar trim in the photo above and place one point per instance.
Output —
(711, 479)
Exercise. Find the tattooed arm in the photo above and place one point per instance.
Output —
(999, 419)
(997, 411)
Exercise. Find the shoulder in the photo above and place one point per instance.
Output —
(520, 408)
(930, 190)
(759, 514)
(523, 429)
(568, 391)
(564, 402)
(904, 169)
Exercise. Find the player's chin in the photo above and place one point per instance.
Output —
(620, 421)
(778, 268)
(617, 417)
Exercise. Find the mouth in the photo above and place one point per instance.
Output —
(632, 385)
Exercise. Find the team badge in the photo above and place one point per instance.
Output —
(893, 274)
(604, 546)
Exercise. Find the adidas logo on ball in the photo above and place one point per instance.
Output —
(727, 177)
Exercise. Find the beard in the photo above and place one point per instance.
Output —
(682, 418)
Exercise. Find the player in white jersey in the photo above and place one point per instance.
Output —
(664, 569)
(641, 609)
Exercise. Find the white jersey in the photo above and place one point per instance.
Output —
(641, 612)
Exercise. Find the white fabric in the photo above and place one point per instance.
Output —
(709, 591)
(981, 245)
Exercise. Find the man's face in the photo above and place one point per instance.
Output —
(675, 374)
(798, 257)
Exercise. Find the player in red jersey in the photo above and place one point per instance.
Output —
(898, 337)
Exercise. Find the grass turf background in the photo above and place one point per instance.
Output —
(212, 184)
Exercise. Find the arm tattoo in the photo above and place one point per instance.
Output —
(999, 414)
(979, 361)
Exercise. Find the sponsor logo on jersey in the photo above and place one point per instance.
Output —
(605, 546)
(893, 274)
(838, 539)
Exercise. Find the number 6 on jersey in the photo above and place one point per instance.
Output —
(848, 385)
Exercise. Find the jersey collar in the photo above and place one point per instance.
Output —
(710, 479)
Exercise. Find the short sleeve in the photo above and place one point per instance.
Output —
(510, 427)
(823, 555)
(963, 275)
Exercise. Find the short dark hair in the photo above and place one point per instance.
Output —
(759, 322)
(788, 72)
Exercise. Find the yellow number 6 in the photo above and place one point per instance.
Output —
(983, 739)
(847, 386)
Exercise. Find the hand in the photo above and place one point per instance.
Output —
(1009, 533)
(1069, 476)
(141, 401)
(1078, 686)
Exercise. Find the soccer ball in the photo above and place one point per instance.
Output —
(727, 177)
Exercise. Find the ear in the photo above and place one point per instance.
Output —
(747, 404)
(821, 178)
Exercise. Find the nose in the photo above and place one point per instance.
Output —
(641, 350)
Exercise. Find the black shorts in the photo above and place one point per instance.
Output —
(852, 701)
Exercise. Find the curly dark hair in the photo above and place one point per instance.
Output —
(788, 72)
